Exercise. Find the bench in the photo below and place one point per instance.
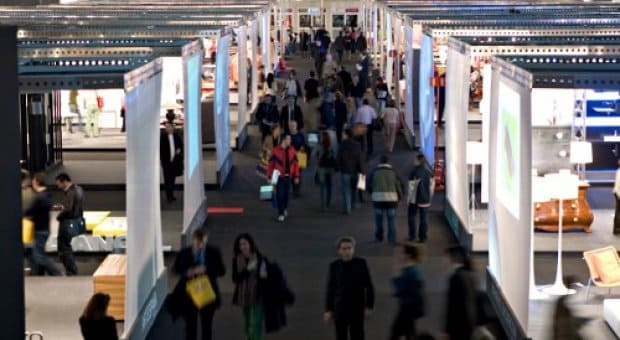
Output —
(110, 279)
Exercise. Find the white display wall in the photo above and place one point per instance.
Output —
(510, 203)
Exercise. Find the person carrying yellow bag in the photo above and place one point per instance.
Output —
(199, 266)
(38, 214)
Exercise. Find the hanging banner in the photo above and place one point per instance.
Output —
(254, 66)
(427, 99)
(222, 108)
(242, 89)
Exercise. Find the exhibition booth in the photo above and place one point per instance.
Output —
(539, 141)
(465, 205)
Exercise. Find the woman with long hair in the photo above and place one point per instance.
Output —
(95, 322)
(326, 165)
(249, 271)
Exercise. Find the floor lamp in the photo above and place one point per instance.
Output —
(540, 193)
(580, 154)
(474, 155)
(561, 186)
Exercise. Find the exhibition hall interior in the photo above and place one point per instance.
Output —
(221, 169)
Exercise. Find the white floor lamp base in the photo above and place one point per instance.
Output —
(558, 288)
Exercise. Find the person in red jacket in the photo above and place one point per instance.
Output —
(284, 161)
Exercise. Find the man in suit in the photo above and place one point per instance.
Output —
(171, 157)
(461, 310)
(291, 112)
(350, 293)
(198, 259)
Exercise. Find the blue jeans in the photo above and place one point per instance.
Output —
(326, 191)
(42, 263)
(348, 186)
(358, 102)
(411, 214)
(282, 191)
(391, 233)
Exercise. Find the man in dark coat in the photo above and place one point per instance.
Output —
(311, 87)
(461, 309)
(171, 157)
(350, 293)
(350, 165)
(423, 174)
(291, 112)
(198, 259)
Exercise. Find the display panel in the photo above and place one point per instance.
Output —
(144, 243)
(457, 80)
(508, 149)
(221, 111)
(426, 102)
(409, 75)
(510, 207)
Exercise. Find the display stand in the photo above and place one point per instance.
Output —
(540, 193)
(475, 156)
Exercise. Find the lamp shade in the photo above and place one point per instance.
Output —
(540, 191)
(562, 186)
(580, 152)
(474, 153)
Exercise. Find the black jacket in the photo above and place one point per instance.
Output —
(72, 203)
(350, 157)
(276, 295)
(39, 211)
(422, 172)
(345, 77)
(349, 289)
(181, 302)
(340, 108)
(104, 329)
(311, 86)
(296, 116)
(356, 91)
(164, 153)
(461, 305)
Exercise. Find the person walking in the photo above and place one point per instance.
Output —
(365, 115)
(325, 169)
(423, 174)
(361, 44)
(171, 158)
(363, 69)
(38, 212)
(356, 90)
(249, 274)
(461, 307)
(298, 141)
(71, 215)
(616, 192)
(95, 323)
(350, 293)
(340, 110)
(391, 123)
(381, 94)
(349, 164)
(409, 290)
(339, 46)
(292, 87)
(267, 116)
(386, 191)
(345, 77)
(291, 112)
(193, 261)
(284, 161)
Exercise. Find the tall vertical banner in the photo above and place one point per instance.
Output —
(427, 99)
(510, 203)
(242, 58)
(374, 31)
(409, 75)
(389, 66)
(396, 83)
(194, 202)
(254, 67)
(222, 107)
(145, 263)
(457, 101)
(265, 42)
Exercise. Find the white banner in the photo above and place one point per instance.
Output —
(193, 193)
(144, 243)
(389, 67)
(510, 180)
(254, 66)
(409, 79)
(242, 89)
(222, 103)
(457, 101)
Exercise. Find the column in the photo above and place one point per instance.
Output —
(254, 34)
(374, 33)
(12, 250)
(390, 45)
(397, 29)
(265, 43)
(242, 64)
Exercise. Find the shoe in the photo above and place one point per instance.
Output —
(281, 218)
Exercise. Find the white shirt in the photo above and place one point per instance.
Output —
(291, 88)
(390, 115)
(172, 148)
(617, 183)
(365, 115)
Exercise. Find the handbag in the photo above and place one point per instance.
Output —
(377, 124)
(27, 231)
(412, 192)
(302, 159)
(432, 187)
(266, 192)
(361, 182)
(75, 226)
(200, 291)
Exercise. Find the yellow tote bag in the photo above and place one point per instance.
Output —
(27, 231)
(200, 291)
(302, 159)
